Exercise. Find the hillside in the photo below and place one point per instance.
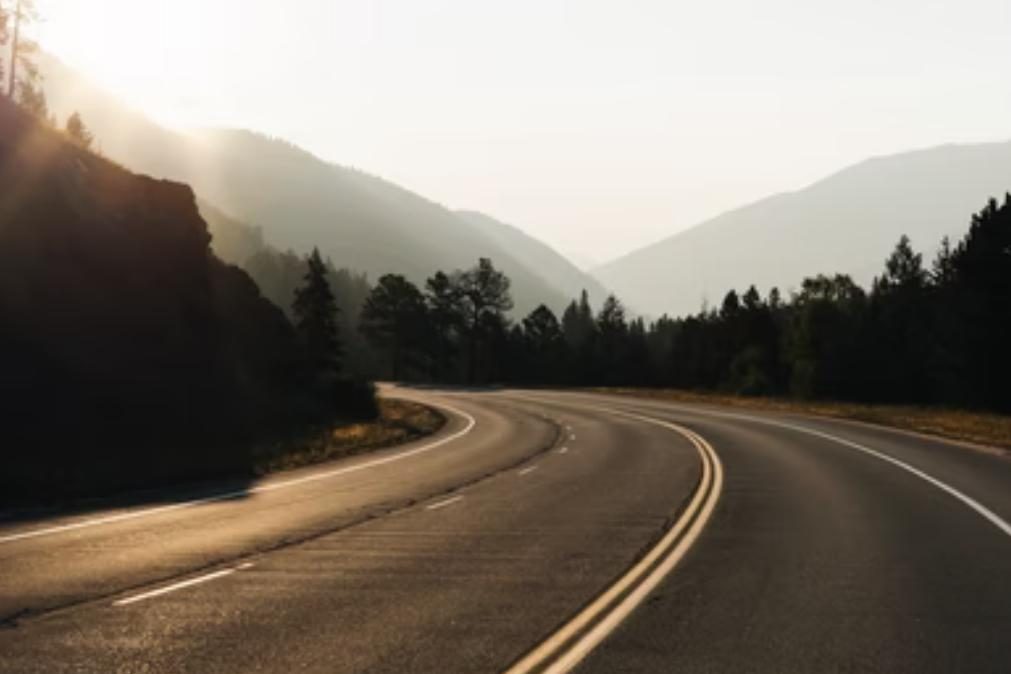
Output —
(557, 271)
(843, 223)
(299, 201)
(130, 353)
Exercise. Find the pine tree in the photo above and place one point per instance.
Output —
(78, 132)
(444, 321)
(23, 78)
(315, 310)
(393, 318)
(484, 296)
(32, 99)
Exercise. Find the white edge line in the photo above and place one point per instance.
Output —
(160, 510)
(527, 470)
(443, 504)
(181, 585)
(965, 499)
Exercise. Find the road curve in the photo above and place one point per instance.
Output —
(812, 545)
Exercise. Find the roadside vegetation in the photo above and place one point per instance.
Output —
(398, 421)
(929, 335)
(989, 430)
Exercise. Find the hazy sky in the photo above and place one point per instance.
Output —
(597, 126)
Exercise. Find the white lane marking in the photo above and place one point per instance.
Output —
(558, 654)
(526, 471)
(563, 450)
(967, 500)
(972, 503)
(443, 504)
(160, 510)
(572, 436)
(182, 584)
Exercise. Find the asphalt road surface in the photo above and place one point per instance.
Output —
(542, 532)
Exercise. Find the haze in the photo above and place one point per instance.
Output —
(595, 129)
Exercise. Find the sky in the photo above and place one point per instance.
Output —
(597, 126)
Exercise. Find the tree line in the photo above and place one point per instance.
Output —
(21, 82)
(920, 334)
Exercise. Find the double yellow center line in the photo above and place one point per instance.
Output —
(572, 642)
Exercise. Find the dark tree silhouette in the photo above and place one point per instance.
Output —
(978, 302)
(484, 298)
(917, 336)
(394, 319)
(315, 311)
(543, 347)
(612, 331)
(78, 132)
(445, 321)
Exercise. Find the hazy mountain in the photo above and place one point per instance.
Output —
(848, 223)
(298, 201)
(556, 270)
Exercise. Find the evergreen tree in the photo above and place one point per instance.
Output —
(942, 271)
(900, 328)
(578, 322)
(484, 297)
(78, 132)
(445, 320)
(315, 311)
(980, 302)
(393, 318)
(32, 99)
(544, 347)
(23, 75)
(612, 333)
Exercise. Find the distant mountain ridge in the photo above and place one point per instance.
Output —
(543, 259)
(298, 201)
(847, 223)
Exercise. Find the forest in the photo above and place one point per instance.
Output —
(922, 334)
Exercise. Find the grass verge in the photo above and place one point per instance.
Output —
(399, 421)
(979, 428)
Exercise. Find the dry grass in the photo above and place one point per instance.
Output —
(980, 428)
(399, 421)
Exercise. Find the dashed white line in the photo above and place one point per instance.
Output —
(181, 584)
(527, 470)
(563, 450)
(443, 504)
(565, 649)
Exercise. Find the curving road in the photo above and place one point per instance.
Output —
(542, 531)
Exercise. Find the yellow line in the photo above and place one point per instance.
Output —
(551, 654)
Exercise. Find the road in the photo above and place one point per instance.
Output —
(542, 531)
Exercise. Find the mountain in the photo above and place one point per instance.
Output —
(556, 270)
(847, 223)
(298, 201)
(129, 352)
